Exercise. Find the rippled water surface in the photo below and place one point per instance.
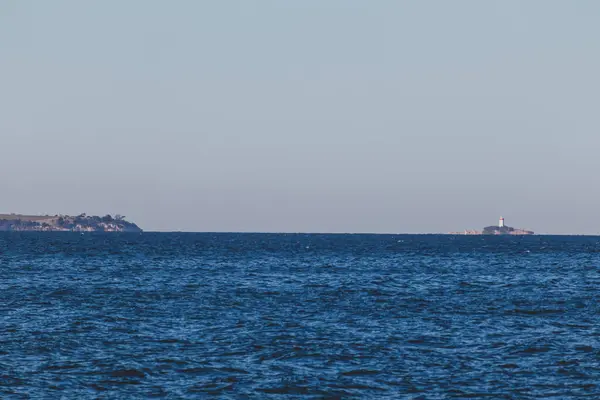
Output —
(298, 316)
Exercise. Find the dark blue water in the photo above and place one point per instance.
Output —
(298, 316)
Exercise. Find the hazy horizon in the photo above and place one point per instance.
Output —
(338, 116)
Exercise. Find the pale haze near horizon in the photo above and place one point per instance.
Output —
(306, 116)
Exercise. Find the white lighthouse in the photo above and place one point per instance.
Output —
(501, 222)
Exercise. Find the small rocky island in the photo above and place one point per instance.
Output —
(66, 223)
(499, 229)
(504, 230)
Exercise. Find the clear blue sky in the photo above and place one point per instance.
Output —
(312, 115)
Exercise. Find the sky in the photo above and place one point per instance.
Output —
(303, 116)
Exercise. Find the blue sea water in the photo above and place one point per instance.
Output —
(260, 316)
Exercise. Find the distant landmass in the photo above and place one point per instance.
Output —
(504, 230)
(500, 229)
(66, 223)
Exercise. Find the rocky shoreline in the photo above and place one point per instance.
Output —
(65, 223)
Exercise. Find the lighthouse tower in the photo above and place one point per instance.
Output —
(501, 223)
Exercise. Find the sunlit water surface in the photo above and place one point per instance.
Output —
(298, 316)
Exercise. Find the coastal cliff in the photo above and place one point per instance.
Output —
(66, 223)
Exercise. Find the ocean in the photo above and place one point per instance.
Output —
(298, 316)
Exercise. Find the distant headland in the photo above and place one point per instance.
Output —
(501, 229)
(66, 223)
